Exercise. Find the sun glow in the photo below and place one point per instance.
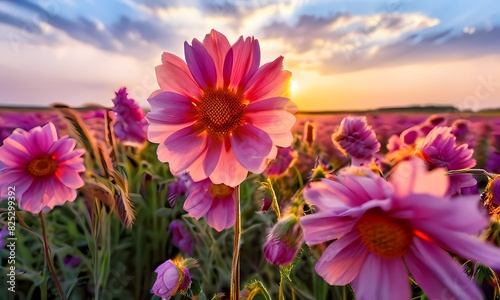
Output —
(294, 86)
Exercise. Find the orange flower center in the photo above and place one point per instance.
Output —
(383, 235)
(220, 190)
(221, 111)
(42, 166)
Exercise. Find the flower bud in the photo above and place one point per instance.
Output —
(173, 277)
(284, 241)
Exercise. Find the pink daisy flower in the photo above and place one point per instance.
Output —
(214, 201)
(130, 123)
(356, 139)
(384, 228)
(439, 149)
(43, 168)
(220, 115)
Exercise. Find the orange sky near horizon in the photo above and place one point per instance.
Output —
(457, 83)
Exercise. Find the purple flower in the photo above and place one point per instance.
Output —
(493, 163)
(383, 230)
(71, 261)
(284, 160)
(178, 188)
(439, 149)
(356, 138)
(173, 277)
(181, 237)
(27, 121)
(3, 234)
(130, 123)
(284, 241)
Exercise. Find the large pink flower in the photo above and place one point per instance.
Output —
(220, 115)
(43, 168)
(214, 201)
(384, 228)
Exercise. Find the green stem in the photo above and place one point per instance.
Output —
(281, 295)
(471, 171)
(235, 267)
(275, 205)
(48, 258)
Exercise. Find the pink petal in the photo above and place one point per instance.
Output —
(221, 215)
(42, 140)
(217, 46)
(462, 244)
(462, 214)
(276, 103)
(438, 274)
(228, 170)
(14, 154)
(268, 82)
(183, 148)
(251, 147)
(412, 177)
(201, 64)
(69, 177)
(205, 165)
(321, 227)
(342, 260)
(169, 105)
(158, 133)
(174, 76)
(199, 200)
(62, 146)
(382, 278)
(272, 121)
(283, 139)
(245, 57)
(33, 199)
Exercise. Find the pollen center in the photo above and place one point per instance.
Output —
(383, 235)
(220, 190)
(221, 111)
(42, 166)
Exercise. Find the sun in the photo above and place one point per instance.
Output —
(294, 86)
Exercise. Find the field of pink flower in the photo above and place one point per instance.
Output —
(223, 191)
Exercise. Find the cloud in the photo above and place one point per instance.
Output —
(125, 35)
(344, 42)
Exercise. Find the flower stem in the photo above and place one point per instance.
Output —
(49, 259)
(471, 171)
(235, 268)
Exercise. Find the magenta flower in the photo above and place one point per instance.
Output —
(214, 201)
(3, 234)
(220, 115)
(178, 188)
(384, 228)
(130, 123)
(493, 162)
(173, 277)
(43, 168)
(9, 121)
(284, 241)
(284, 161)
(71, 261)
(181, 237)
(356, 139)
(439, 149)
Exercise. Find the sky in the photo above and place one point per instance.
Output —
(343, 55)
